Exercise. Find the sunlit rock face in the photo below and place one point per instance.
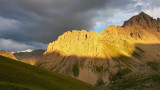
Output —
(90, 44)
(7, 54)
(97, 58)
(88, 56)
(80, 43)
(143, 27)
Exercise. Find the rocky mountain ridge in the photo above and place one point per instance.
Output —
(144, 21)
(98, 58)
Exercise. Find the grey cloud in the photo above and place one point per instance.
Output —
(44, 20)
(11, 45)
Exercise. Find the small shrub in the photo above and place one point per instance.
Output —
(153, 65)
(82, 62)
(100, 82)
(121, 73)
(75, 69)
(135, 54)
(123, 59)
(139, 49)
(99, 69)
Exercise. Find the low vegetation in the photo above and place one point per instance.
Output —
(140, 49)
(75, 69)
(15, 75)
(136, 55)
(99, 69)
(121, 73)
(123, 59)
(100, 82)
(138, 82)
(154, 66)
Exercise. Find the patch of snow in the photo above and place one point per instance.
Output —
(28, 50)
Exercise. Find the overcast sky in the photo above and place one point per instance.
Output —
(32, 24)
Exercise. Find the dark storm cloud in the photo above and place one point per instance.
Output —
(44, 20)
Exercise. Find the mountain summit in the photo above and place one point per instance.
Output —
(98, 58)
(142, 20)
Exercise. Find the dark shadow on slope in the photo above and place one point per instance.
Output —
(148, 76)
(115, 68)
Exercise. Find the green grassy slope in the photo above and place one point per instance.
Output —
(18, 75)
(138, 82)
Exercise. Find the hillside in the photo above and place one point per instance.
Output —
(15, 75)
(98, 58)
(7, 54)
(29, 57)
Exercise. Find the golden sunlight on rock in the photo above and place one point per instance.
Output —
(98, 58)
(82, 43)
(7, 54)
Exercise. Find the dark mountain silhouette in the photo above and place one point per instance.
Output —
(29, 57)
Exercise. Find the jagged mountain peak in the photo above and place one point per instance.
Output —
(93, 57)
(144, 16)
(143, 13)
(142, 20)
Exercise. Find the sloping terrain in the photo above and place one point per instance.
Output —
(101, 59)
(7, 54)
(29, 57)
(87, 55)
(146, 72)
(15, 75)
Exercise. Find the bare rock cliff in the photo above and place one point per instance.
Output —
(98, 58)
(87, 55)
(144, 21)
(143, 26)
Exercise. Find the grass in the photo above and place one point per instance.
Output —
(153, 65)
(124, 59)
(75, 69)
(12, 86)
(100, 82)
(18, 75)
(121, 73)
(135, 54)
(140, 49)
(99, 69)
(81, 63)
(136, 81)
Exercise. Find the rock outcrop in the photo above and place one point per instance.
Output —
(97, 58)
(143, 27)
(7, 54)
(143, 21)
(87, 55)
(80, 43)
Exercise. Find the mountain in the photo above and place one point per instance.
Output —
(7, 54)
(15, 75)
(144, 21)
(110, 58)
(27, 50)
(143, 26)
(29, 56)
